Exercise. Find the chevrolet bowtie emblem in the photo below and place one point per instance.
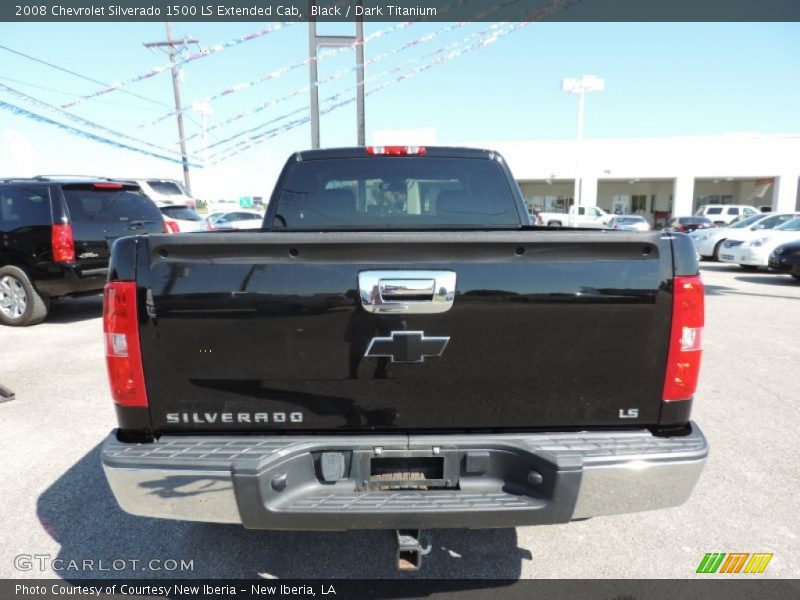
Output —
(407, 346)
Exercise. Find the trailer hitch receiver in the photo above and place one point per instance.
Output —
(412, 545)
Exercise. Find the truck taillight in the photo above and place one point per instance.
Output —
(63, 243)
(123, 353)
(396, 150)
(686, 339)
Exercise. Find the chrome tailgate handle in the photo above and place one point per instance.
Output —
(407, 292)
(407, 289)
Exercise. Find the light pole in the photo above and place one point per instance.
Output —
(579, 87)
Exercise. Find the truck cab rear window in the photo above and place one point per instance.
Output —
(88, 205)
(395, 193)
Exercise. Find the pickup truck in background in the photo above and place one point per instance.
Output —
(587, 217)
(399, 349)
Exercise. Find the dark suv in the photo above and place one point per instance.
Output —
(688, 224)
(55, 239)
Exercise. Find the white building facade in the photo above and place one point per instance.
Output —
(658, 177)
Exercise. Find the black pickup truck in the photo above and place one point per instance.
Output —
(398, 348)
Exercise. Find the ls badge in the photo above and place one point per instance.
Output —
(406, 346)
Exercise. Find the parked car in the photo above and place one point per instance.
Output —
(354, 353)
(709, 241)
(166, 192)
(752, 250)
(587, 217)
(55, 239)
(237, 219)
(724, 214)
(182, 218)
(629, 223)
(688, 224)
(786, 259)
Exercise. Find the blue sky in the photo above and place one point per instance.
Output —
(661, 80)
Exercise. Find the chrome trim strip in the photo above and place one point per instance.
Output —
(403, 288)
(182, 494)
(635, 486)
(209, 496)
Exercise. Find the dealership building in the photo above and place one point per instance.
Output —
(658, 177)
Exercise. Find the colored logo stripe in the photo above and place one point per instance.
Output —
(758, 563)
(711, 562)
(734, 563)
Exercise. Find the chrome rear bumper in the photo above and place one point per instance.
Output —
(492, 480)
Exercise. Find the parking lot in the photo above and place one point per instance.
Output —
(56, 501)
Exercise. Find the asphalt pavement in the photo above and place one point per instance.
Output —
(56, 503)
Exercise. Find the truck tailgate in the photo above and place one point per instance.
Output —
(267, 332)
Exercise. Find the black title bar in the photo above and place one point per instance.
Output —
(398, 10)
(392, 589)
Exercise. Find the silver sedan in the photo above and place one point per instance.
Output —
(629, 223)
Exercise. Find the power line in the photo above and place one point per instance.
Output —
(452, 46)
(73, 95)
(485, 37)
(202, 53)
(76, 119)
(65, 70)
(17, 110)
(339, 46)
(339, 74)
(277, 73)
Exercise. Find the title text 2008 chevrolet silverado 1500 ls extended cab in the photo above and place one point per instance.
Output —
(399, 349)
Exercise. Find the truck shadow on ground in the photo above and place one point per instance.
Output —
(80, 513)
(723, 290)
(72, 310)
(749, 276)
(771, 279)
(720, 267)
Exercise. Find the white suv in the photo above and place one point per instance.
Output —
(723, 214)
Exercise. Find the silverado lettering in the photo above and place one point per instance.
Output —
(398, 348)
(240, 417)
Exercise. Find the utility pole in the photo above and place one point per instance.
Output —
(315, 42)
(171, 46)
